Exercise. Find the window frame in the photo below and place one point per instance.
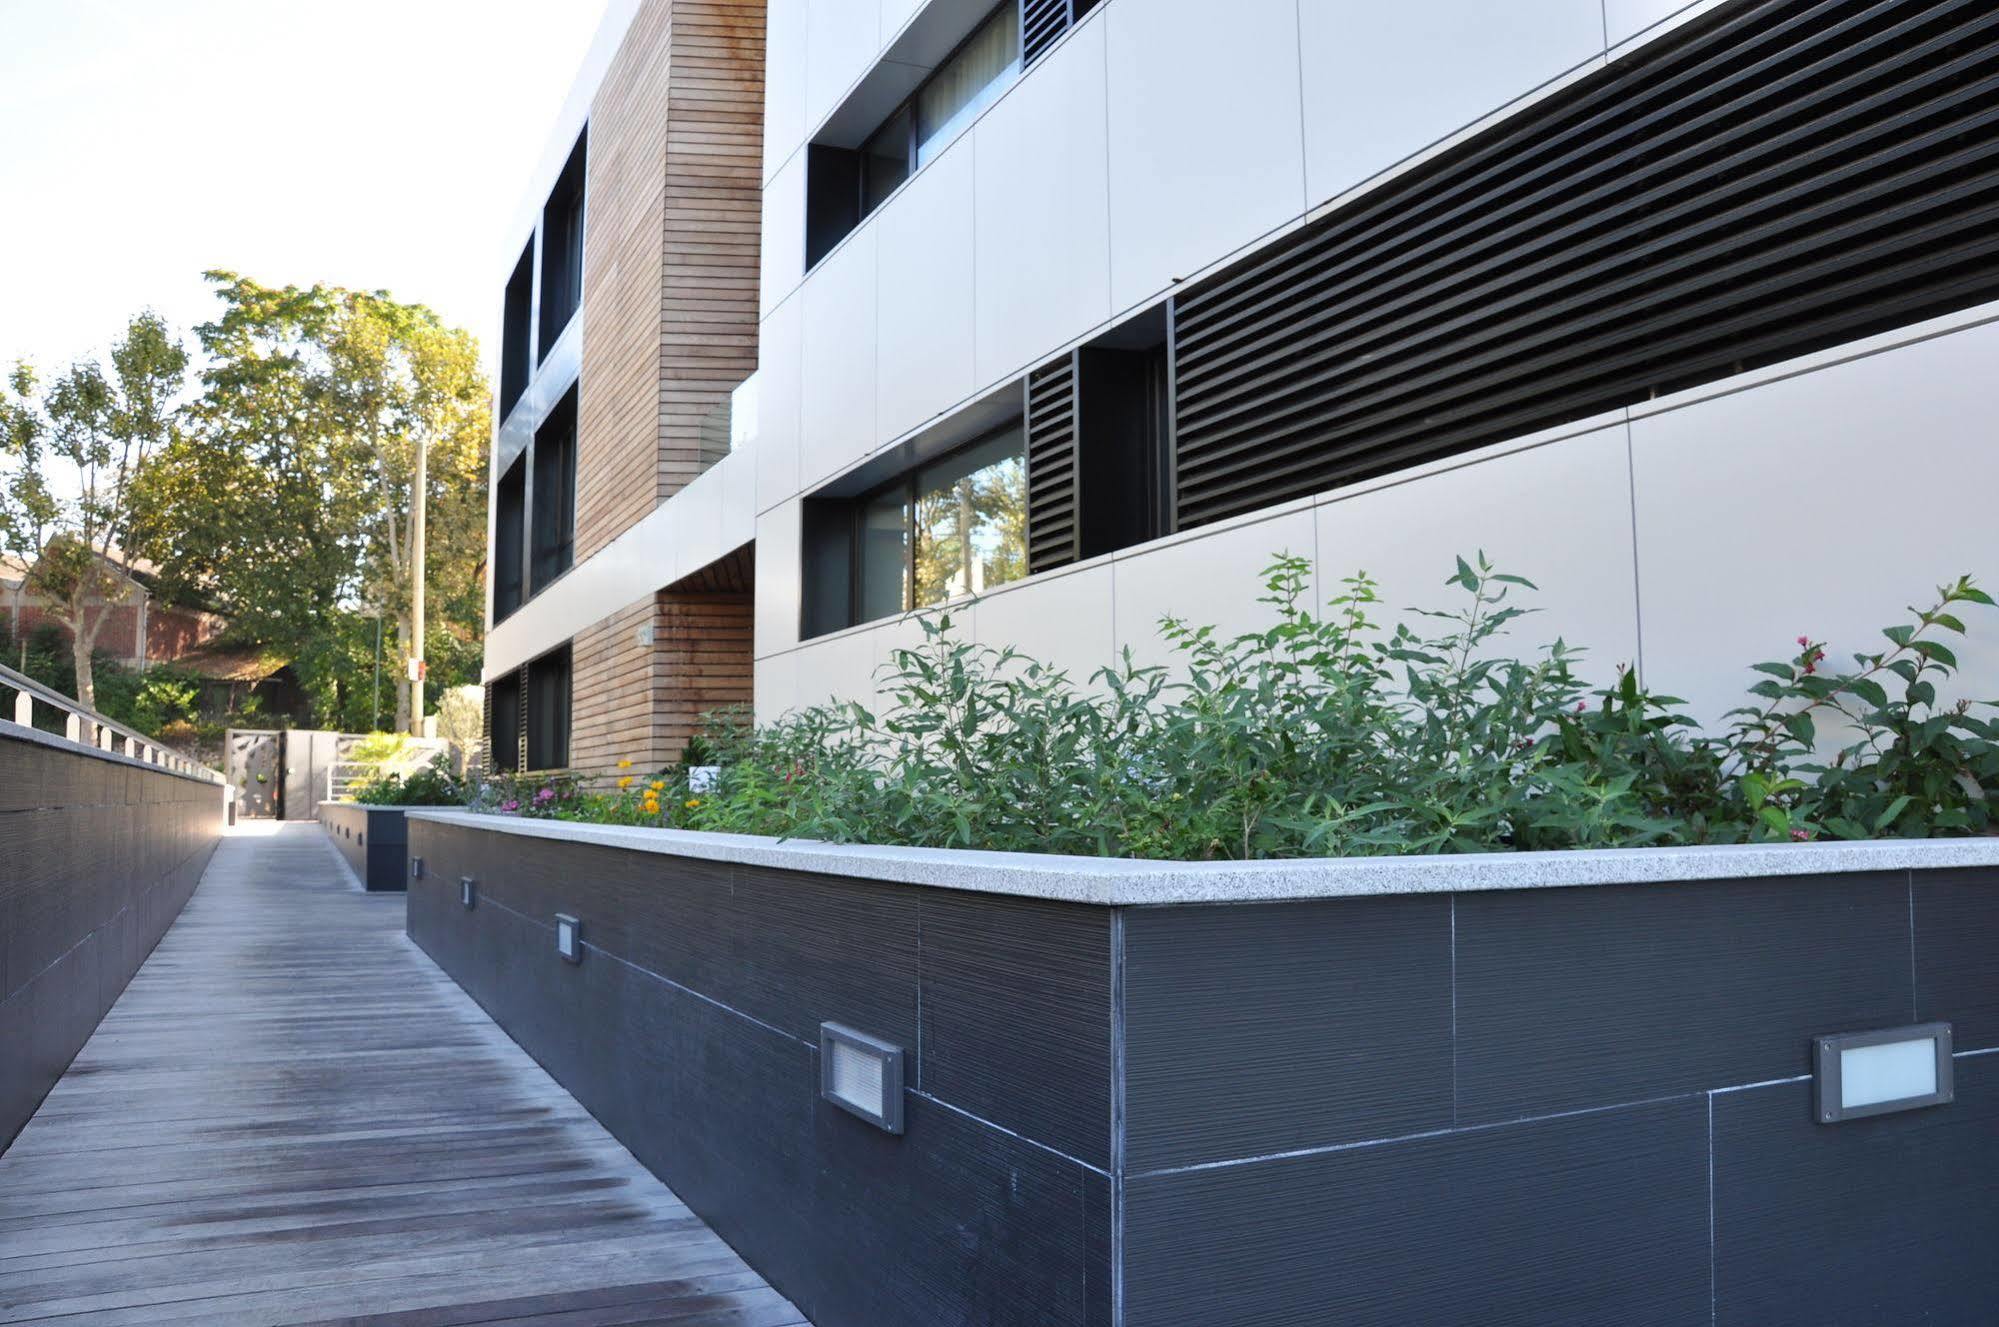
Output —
(907, 109)
(908, 486)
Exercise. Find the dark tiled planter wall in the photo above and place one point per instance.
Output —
(97, 858)
(373, 839)
(1581, 1105)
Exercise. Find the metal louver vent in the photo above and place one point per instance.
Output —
(1051, 465)
(1041, 22)
(1780, 177)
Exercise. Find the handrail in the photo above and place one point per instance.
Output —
(87, 727)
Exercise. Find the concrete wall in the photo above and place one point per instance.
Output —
(372, 840)
(100, 855)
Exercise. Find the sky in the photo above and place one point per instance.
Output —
(376, 144)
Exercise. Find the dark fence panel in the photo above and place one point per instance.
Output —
(97, 856)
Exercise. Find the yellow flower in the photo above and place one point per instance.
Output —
(693, 802)
(625, 782)
(624, 764)
(658, 785)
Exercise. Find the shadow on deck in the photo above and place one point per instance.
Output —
(291, 1116)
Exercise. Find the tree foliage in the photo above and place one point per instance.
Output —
(76, 459)
(288, 498)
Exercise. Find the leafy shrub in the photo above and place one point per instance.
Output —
(433, 785)
(1332, 736)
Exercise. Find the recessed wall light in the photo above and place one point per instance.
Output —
(468, 890)
(416, 868)
(862, 1075)
(568, 938)
(1858, 1074)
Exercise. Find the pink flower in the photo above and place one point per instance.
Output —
(1804, 641)
(510, 805)
(1801, 836)
(545, 796)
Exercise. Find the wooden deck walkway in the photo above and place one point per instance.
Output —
(291, 1116)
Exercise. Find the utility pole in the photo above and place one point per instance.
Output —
(418, 501)
(375, 695)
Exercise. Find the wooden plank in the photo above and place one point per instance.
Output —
(291, 1116)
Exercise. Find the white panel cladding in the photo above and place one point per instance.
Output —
(775, 686)
(781, 252)
(1043, 210)
(1625, 19)
(924, 295)
(843, 38)
(784, 82)
(779, 571)
(1063, 620)
(838, 420)
(1383, 81)
(780, 362)
(837, 668)
(1818, 505)
(1205, 141)
(1210, 577)
(1558, 514)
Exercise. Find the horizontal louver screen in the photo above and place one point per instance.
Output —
(1041, 22)
(1781, 178)
(1051, 465)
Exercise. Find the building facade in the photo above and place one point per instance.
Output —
(1076, 314)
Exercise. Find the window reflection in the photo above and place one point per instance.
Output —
(971, 521)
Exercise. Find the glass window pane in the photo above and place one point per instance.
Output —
(884, 556)
(971, 521)
(884, 161)
(956, 93)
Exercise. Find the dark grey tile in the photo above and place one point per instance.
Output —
(1889, 1219)
(805, 949)
(954, 1222)
(1586, 1219)
(1016, 1010)
(1957, 936)
(1271, 1027)
(1580, 997)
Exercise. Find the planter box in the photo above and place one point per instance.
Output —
(1507, 1088)
(373, 839)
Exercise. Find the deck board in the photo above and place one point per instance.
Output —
(292, 1117)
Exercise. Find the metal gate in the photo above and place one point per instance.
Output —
(253, 763)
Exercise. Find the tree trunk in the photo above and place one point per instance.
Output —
(402, 673)
(81, 638)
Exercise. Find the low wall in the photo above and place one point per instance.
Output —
(373, 839)
(1434, 1090)
(98, 854)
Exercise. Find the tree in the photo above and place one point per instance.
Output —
(78, 456)
(289, 498)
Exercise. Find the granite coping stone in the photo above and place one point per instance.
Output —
(1123, 882)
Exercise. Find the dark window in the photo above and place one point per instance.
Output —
(503, 723)
(515, 325)
(954, 527)
(1099, 445)
(554, 496)
(548, 711)
(1125, 433)
(562, 250)
(844, 184)
(509, 532)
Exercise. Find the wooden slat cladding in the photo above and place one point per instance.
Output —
(1781, 177)
(1051, 465)
(640, 701)
(670, 253)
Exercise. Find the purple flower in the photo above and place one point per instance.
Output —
(544, 797)
(510, 805)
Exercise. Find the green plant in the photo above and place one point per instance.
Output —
(433, 785)
(1330, 735)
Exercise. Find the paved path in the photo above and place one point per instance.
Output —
(291, 1116)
